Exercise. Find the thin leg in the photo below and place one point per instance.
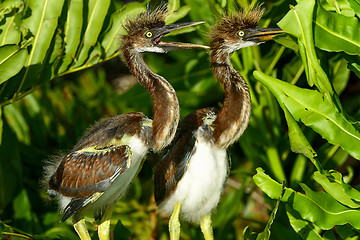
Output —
(80, 227)
(174, 224)
(104, 226)
(206, 227)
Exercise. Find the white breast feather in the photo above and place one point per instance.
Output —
(200, 188)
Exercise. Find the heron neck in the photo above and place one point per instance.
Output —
(234, 115)
(165, 103)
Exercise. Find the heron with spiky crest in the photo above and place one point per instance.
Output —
(189, 179)
(101, 166)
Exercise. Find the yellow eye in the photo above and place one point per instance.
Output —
(148, 34)
(241, 33)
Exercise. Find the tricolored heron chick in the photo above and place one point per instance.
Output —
(189, 179)
(98, 170)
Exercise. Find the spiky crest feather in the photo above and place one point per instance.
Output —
(229, 25)
(146, 20)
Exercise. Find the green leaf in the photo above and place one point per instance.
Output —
(173, 5)
(60, 233)
(17, 123)
(12, 60)
(9, 30)
(57, 43)
(121, 232)
(317, 207)
(96, 16)
(354, 64)
(304, 228)
(8, 5)
(298, 169)
(351, 192)
(355, 5)
(315, 111)
(298, 22)
(333, 186)
(22, 206)
(340, 76)
(298, 141)
(248, 235)
(265, 235)
(346, 232)
(182, 12)
(10, 167)
(1, 125)
(334, 32)
(287, 41)
(42, 24)
(72, 33)
(118, 18)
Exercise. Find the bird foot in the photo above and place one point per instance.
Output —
(206, 227)
(174, 223)
(81, 230)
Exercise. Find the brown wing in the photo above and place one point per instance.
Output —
(86, 172)
(171, 168)
(114, 128)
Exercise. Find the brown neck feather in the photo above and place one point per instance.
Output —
(165, 103)
(234, 116)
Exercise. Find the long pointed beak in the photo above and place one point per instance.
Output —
(262, 34)
(161, 31)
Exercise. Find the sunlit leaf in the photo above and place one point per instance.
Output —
(304, 228)
(12, 60)
(7, 6)
(298, 22)
(42, 24)
(182, 12)
(315, 111)
(56, 43)
(335, 32)
(298, 141)
(340, 76)
(332, 185)
(355, 5)
(72, 32)
(317, 207)
(97, 10)
(10, 33)
(173, 5)
(351, 192)
(110, 42)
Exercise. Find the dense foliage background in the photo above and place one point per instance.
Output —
(295, 171)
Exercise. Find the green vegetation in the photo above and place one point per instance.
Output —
(294, 172)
